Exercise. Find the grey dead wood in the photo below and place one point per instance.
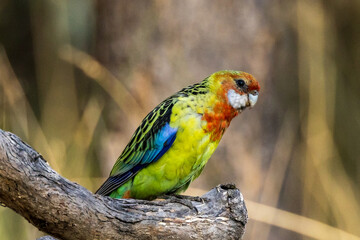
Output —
(67, 210)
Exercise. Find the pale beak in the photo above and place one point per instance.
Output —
(253, 97)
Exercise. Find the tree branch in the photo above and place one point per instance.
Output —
(67, 210)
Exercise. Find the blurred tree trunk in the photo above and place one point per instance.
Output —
(120, 33)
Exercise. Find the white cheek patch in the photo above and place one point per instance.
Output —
(253, 99)
(236, 100)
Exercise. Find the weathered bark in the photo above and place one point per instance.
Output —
(66, 210)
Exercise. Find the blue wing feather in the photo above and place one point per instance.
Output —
(166, 145)
(160, 144)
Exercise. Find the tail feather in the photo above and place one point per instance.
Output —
(112, 183)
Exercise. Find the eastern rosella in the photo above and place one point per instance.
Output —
(175, 140)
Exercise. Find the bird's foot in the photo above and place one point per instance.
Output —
(184, 200)
(191, 198)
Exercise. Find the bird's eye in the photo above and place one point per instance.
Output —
(240, 82)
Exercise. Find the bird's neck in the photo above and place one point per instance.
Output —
(218, 117)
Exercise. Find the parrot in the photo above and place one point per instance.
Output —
(176, 139)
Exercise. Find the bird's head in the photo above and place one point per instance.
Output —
(236, 88)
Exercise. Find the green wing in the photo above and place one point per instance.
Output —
(150, 141)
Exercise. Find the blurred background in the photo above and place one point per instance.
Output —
(77, 77)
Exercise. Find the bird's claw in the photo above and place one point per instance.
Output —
(184, 200)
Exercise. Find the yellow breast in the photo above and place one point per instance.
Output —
(193, 146)
(186, 157)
